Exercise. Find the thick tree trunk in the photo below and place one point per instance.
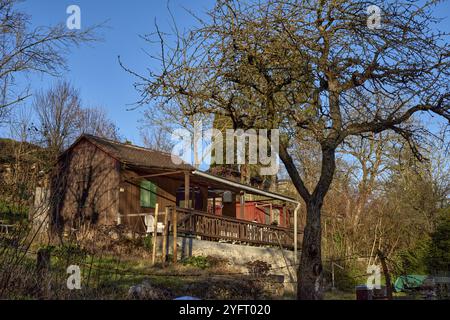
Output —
(309, 273)
(310, 269)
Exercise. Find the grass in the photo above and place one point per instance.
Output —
(106, 276)
(339, 295)
(109, 277)
(100, 272)
(12, 214)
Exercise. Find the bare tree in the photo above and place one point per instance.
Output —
(370, 155)
(24, 50)
(95, 121)
(309, 66)
(58, 111)
(158, 125)
(61, 118)
(156, 138)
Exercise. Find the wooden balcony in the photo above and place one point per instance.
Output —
(215, 228)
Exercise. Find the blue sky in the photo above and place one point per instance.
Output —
(95, 70)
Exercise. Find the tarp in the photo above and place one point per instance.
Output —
(411, 281)
(187, 298)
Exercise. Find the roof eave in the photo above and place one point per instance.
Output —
(245, 187)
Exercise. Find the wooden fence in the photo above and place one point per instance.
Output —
(212, 227)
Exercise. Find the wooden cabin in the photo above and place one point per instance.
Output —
(100, 181)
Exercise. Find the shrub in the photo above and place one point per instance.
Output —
(437, 258)
(147, 241)
(67, 253)
(12, 213)
(216, 261)
(347, 279)
(201, 262)
(412, 261)
(258, 268)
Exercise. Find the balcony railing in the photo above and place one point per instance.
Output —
(215, 228)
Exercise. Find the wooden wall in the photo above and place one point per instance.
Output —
(167, 187)
(129, 202)
(86, 188)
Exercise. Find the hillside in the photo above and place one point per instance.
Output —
(10, 149)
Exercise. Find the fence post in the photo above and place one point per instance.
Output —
(155, 234)
(42, 268)
(165, 235)
(174, 222)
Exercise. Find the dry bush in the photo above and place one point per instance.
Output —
(225, 288)
(258, 268)
(116, 240)
(149, 291)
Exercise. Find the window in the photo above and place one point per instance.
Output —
(148, 194)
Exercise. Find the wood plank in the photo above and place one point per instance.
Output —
(211, 227)
(271, 214)
(165, 235)
(242, 205)
(174, 222)
(155, 234)
(134, 215)
(187, 189)
(161, 174)
(225, 218)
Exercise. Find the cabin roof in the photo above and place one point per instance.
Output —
(132, 155)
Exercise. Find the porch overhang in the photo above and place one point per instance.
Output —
(243, 187)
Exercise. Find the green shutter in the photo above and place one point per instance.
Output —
(148, 194)
(152, 195)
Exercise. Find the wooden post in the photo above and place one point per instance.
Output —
(174, 222)
(387, 276)
(214, 205)
(332, 272)
(165, 234)
(42, 267)
(332, 276)
(187, 189)
(271, 213)
(155, 234)
(242, 205)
